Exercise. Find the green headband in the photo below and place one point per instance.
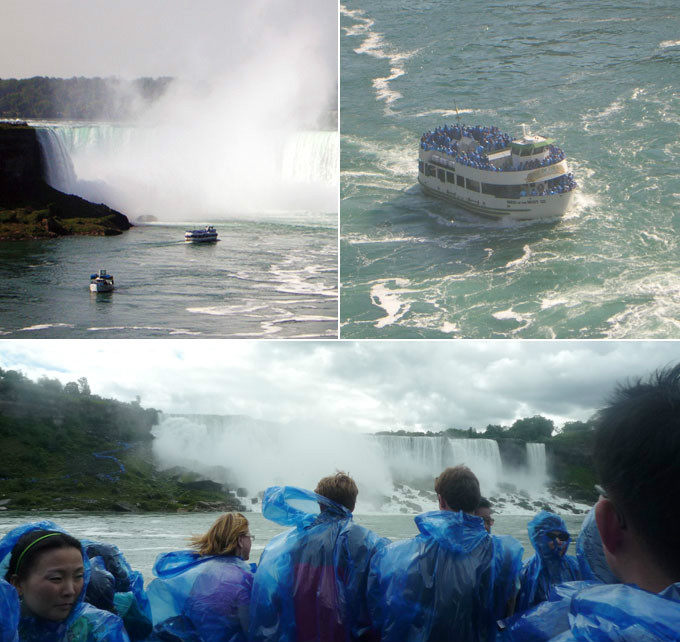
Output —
(35, 541)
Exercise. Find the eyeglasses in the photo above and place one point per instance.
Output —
(249, 536)
(490, 521)
(605, 494)
(601, 491)
(563, 537)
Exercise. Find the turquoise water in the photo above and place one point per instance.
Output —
(142, 537)
(599, 77)
(262, 279)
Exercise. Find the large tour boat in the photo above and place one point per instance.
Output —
(485, 171)
(207, 234)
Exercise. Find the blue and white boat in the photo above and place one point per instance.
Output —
(206, 235)
(485, 171)
(101, 282)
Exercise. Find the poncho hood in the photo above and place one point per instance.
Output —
(292, 506)
(456, 531)
(539, 526)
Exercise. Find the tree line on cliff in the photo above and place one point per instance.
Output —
(61, 446)
(78, 98)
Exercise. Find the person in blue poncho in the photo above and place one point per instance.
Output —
(550, 564)
(451, 582)
(310, 584)
(9, 612)
(203, 595)
(637, 459)
(115, 587)
(50, 573)
(545, 620)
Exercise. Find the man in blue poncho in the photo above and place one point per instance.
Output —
(550, 564)
(310, 584)
(452, 581)
(637, 457)
(9, 612)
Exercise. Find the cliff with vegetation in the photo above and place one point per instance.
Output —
(64, 448)
(30, 208)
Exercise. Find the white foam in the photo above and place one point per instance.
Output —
(389, 300)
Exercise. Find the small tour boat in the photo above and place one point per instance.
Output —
(102, 282)
(485, 171)
(206, 235)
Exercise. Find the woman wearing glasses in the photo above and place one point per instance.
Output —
(550, 564)
(204, 593)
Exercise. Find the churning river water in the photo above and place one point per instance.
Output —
(599, 77)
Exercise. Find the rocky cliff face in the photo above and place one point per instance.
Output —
(20, 156)
(30, 208)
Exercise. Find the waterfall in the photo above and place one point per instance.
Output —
(202, 168)
(310, 157)
(536, 462)
(59, 172)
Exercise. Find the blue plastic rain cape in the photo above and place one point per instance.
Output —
(115, 587)
(590, 554)
(85, 623)
(623, 613)
(310, 584)
(204, 597)
(546, 567)
(9, 612)
(449, 583)
(547, 619)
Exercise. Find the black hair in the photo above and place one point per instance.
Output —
(30, 547)
(637, 459)
(484, 503)
(459, 487)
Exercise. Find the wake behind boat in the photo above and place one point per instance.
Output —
(206, 235)
(487, 172)
(102, 282)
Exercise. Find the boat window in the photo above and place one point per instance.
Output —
(473, 185)
(430, 170)
(450, 177)
(460, 180)
(501, 191)
(441, 174)
(421, 166)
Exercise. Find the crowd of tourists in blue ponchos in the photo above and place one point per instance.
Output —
(446, 140)
(328, 579)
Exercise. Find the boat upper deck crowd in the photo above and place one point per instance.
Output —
(447, 139)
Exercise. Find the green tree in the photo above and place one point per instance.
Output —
(535, 428)
(84, 386)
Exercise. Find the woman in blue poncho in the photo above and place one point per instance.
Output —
(50, 573)
(204, 594)
(550, 564)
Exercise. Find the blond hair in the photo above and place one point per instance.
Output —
(222, 537)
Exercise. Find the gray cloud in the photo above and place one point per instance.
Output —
(358, 386)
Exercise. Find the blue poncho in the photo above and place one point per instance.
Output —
(545, 620)
(202, 597)
(546, 567)
(114, 586)
(85, 623)
(623, 613)
(450, 583)
(9, 612)
(311, 581)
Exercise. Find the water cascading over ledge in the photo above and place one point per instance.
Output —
(251, 454)
(156, 169)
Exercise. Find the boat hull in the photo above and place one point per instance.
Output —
(205, 239)
(101, 287)
(522, 209)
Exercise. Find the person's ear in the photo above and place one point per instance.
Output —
(610, 525)
(14, 581)
(442, 503)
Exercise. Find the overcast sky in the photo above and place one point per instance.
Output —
(132, 38)
(359, 386)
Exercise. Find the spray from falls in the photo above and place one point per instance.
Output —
(390, 470)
